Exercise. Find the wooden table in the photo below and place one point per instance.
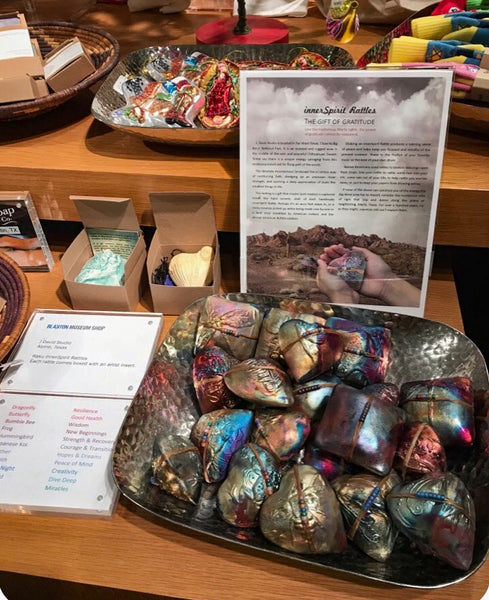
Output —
(67, 152)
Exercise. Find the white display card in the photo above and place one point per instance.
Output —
(55, 453)
(15, 43)
(83, 353)
(63, 399)
(341, 157)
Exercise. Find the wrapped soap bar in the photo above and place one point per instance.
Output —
(282, 433)
(261, 382)
(438, 515)
(218, 435)
(209, 366)
(360, 428)
(366, 352)
(419, 452)
(252, 477)
(363, 505)
(303, 515)
(268, 344)
(447, 404)
(309, 349)
(177, 467)
(233, 326)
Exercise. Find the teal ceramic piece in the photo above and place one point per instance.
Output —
(104, 268)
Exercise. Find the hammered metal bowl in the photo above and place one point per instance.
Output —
(108, 99)
(422, 349)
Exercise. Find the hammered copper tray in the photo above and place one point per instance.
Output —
(108, 99)
(166, 400)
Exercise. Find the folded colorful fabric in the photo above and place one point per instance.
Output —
(437, 27)
(412, 49)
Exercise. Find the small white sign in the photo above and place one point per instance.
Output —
(83, 353)
(55, 453)
(15, 43)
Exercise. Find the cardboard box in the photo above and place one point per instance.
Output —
(112, 214)
(184, 221)
(67, 65)
(16, 89)
(21, 65)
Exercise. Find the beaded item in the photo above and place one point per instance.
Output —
(438, 515)
(303, 515)
(362, 499)
(252, 477)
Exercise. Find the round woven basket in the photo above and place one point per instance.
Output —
(102, 47)
(14, 289)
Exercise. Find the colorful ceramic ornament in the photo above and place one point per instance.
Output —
(446, 404)
(261, 382)
(252, 477)
(309, 61)
(311, 397)
(282, 433)
(209, 366)
(220, 85)
(218, 435)
(350, 267)
(309, 349)
(233, 326)
(363, 505)
(304, 515)
(388, 392)
(268, 344)
(366, 352)
(344, 28)
(359, 428)
(329, 465)
(177, 467)
(438, 515)
(419, 452)
(187, 103)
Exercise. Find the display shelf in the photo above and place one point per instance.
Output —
(73, 152)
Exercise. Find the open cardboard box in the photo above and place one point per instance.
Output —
(111, 214)
(67, 65)
(184, 221)
(21, 65)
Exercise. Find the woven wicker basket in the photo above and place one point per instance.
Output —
(14, 288)
(102, 47)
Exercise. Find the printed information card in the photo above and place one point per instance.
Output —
(55, 453)
(340, 173)
(83, 353)
(63, 400)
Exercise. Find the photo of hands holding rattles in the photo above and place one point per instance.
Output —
(345, 274)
